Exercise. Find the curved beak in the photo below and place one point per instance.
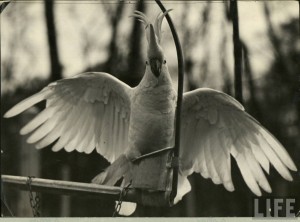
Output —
(155, 65)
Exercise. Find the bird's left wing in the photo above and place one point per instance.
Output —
(215, 126)
(87, 111)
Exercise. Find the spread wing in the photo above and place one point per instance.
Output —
(87, 111)
(215, 126)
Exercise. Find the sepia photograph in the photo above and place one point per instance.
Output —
(150, 108)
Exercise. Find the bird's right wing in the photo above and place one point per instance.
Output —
(87, 111)
(214, 127)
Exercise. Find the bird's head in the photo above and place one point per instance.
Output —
(155, 55)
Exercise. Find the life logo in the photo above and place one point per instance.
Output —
(272, 207)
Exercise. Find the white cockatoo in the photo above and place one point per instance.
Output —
(97, 111)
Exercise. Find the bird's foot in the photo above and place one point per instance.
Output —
(151, 153)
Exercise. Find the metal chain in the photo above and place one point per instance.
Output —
(34, 199)
(123, 193)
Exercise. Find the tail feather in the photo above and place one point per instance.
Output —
(127, 208)
(184, 187)
(112, 174)
(118, 169)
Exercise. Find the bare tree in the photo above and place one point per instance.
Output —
(237, 51)
(227, 87)
(275, 41)
(114, 16)
(51, 204)
(253, 103)
(135, 61)
(190, 39)
(56, 67)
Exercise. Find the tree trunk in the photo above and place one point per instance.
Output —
(51, 204)
(56, 67)
(237, 52)
(136, 64)
(113, 57)
(278, 48)
(254, 106)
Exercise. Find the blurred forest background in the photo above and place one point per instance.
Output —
(44, 41)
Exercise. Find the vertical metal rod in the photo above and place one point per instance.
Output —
(179, 97)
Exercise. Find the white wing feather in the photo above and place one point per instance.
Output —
(85, 112)
(215, 126)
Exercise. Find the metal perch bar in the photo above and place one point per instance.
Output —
(67, 188)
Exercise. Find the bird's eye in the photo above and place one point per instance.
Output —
(165, 61)
(146, 62)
